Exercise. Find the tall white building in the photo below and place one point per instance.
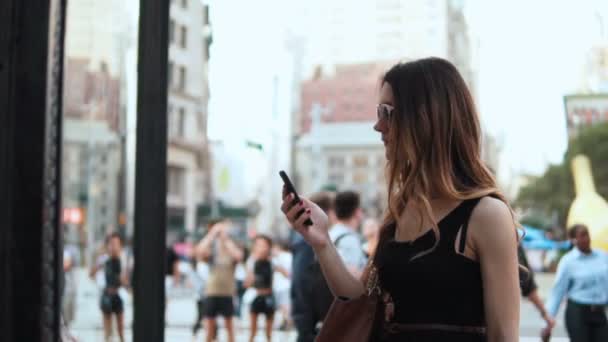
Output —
(99, 31)
(359, 31)
(188, 159)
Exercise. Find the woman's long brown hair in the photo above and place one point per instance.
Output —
(434, 147)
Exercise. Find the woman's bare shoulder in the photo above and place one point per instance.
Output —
(492, 223)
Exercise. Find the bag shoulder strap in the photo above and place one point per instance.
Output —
(340, 237)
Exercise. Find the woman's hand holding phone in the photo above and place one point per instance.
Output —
(316, 234)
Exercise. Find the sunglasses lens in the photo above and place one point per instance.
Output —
(383, 112)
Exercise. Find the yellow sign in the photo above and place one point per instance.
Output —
(224, 180)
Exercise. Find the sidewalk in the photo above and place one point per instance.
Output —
(181, 314)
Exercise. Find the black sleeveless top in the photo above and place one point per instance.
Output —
(112, 269)
(437, 296)
(262, 272)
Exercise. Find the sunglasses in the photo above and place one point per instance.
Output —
(384, 111)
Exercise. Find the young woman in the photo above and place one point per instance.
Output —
(582, 277)
(115, 277)
(447, 254)
(260, 277)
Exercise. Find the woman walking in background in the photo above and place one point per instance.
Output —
(447, 255)
(260, 277)
(115, 276)
(529, 289)
(582, 277)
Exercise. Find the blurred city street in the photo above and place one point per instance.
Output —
(181, 314)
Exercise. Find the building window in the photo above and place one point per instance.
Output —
(182, 78)
(360, 177)
(171, 31)
(336, 178)
(170, 74)
(205, 15)
(183, 36)
(181, 121)
(177, 123)
(175, 182)
(336, 162)
(360, 161)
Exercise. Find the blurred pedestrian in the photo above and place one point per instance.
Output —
(303, 315)
(349, 215)
(115, 276)
(529, 289)
(70, 263)
(260, 277)
(223, 255)
(446, 260)
(172, 276)
(283, 258)
(198, 278)
(344, 235)
(240, 273)
(582, 277)
(370, 229)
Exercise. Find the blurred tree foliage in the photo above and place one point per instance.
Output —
(553, 192)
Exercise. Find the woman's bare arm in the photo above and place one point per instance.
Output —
(493, 235)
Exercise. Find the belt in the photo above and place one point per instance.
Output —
(399, 327)
(590, 307)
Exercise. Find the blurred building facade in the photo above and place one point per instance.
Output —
(90, 171)
(343, 156)
(188, 162)
(101, 91)
(361, 31)
(98, 37)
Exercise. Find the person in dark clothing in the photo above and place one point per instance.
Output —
(529, 290)
(304, 316)
(115, 277)
(446, 260)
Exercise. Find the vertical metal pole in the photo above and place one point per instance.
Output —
(31, 74)
(151, 173)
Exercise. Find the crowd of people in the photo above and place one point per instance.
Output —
(236, 281)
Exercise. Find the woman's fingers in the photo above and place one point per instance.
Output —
(299, 222)
(286, 203)
(295, 211)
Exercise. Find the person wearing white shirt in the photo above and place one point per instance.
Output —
(282, 283)
(344, 232)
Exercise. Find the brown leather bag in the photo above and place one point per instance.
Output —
(353, 320)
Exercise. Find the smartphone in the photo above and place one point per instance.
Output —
(292, 189)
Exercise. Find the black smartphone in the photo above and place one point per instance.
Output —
(292, 189)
